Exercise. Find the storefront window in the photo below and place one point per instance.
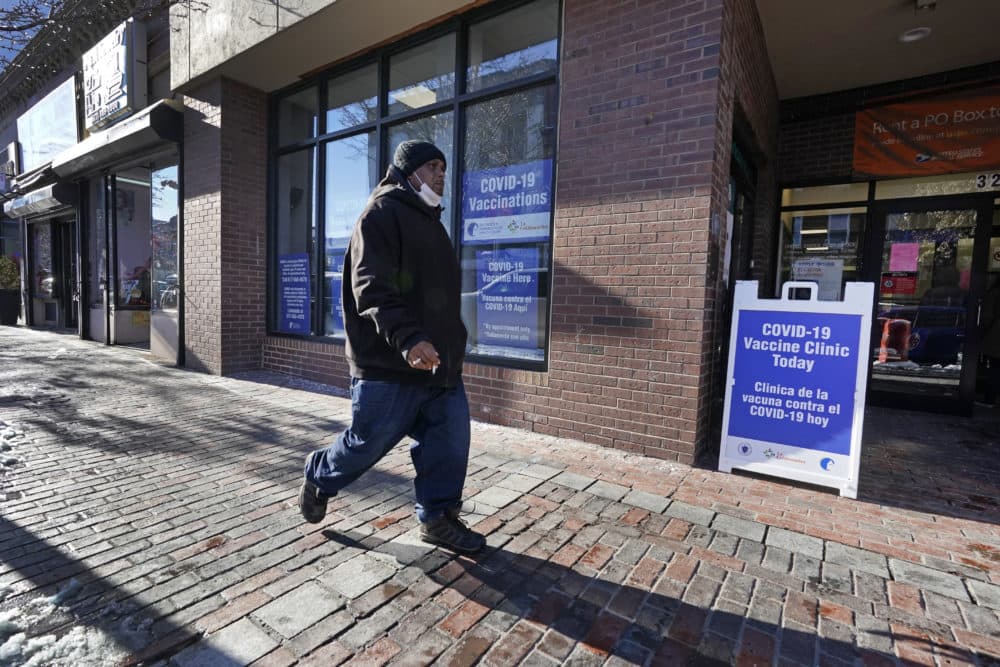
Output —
(295, 239)
(298, 117)
(352, 99)
(437, 130)
(41, 268)
(822, 246)
(165, 210)
(422, 76)
(506, 120)
(133, 224)
(97, 266)
(514, 45)
(351, 174)
(506, 216)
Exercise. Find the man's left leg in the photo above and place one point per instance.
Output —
(440, 456)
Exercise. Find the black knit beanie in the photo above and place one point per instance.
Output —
(413, 154)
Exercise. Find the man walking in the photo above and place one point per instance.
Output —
(405, 346)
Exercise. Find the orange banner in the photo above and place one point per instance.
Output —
(945, 134)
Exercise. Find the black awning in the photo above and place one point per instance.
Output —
(155, 125)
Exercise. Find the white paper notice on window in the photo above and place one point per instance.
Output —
(827, 273)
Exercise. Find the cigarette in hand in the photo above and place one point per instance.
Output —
(434, 369)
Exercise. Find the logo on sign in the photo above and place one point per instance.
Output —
(745, 449)
(826, 464)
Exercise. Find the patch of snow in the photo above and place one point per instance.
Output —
(80, 647)
(18, 619)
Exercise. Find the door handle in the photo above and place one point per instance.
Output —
(979, 312)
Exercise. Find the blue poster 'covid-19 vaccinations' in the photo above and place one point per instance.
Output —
(511, 203)
(794, 379)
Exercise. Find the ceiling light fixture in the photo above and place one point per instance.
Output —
(915, 34)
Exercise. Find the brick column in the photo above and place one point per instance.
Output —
(225, 176)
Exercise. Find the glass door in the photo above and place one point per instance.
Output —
(931, 262)
(64, 246)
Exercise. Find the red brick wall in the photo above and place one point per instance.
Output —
(747, 90)
(631, 242)
(225, 158)
(817, 149)
(202, 205)
(244, 226)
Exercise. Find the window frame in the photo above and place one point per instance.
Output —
(382, 126)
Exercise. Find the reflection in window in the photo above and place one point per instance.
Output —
(519, 43)
(295, 239)
(351, 175)
(822, 247)
(166, 288)
(506, 218)
(298, 117)
(353, 99)
(133, 240)
(423, 75)
(42, 260)
(437, 130)
(97, 266)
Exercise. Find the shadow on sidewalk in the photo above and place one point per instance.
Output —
(81, 610)
(612, 617)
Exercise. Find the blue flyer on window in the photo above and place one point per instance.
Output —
(507, 297)
(794, 379)
(293, 294)
(334, 281)
(512, 203)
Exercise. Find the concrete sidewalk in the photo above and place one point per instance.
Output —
(148, 516)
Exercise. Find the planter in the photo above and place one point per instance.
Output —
(10, 306)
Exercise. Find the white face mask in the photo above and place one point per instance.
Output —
(430, 197)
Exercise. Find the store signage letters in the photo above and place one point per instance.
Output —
(114, 75)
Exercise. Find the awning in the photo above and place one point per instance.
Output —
(154, 125)
(41, 200)
(30, 180)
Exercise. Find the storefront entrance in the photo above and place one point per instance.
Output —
(53, 287)
(133, 270)
(929, 258)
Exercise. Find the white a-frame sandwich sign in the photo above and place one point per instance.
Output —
(795, 390)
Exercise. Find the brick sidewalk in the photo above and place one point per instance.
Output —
(149, 516)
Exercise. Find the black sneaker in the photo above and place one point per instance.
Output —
(451, 533)
(312, 503)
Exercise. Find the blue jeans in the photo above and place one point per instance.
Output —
(383, 413)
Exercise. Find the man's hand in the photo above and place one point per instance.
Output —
(423, 356)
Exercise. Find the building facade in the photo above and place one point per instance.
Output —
(614, 168)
